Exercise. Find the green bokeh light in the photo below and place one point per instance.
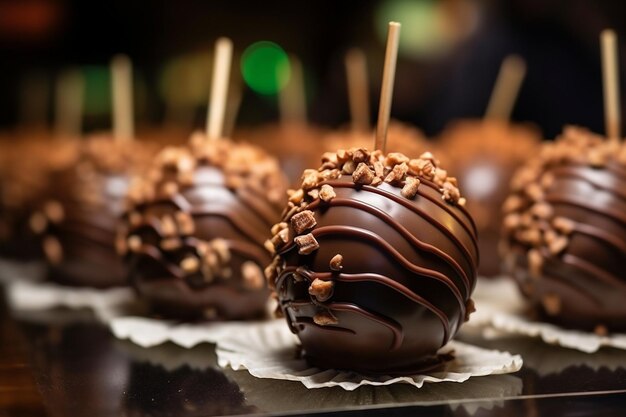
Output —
(97, 99)
(423, 28)
(265, 67)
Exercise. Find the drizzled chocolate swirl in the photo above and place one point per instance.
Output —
(194, 230)
(565, 231)
(375, 261)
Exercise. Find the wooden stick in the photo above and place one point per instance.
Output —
(506, 89)
(386, 91)
(292, 97)
(69, 96)
(122, 94)
(610, 81)
(219, 88)
(358, 90)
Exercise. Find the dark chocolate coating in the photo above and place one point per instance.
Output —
(589, 276)
(409, 267)
(240, 218)
(92, 207)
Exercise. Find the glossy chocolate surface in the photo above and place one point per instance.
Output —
(77, 221)
(404, 284)
(200, 247)
(485, 154)
(573, 271)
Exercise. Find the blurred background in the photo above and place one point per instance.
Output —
(449, 58)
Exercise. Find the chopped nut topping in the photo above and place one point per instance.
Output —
(397, 174)
(38, 223)
(190, 265)
(54, 211)
(410, 187)
(53, 250)
(278, 227)
(327, 193)
(362, 174)
(252, 275)
(269, 246)
(325, 318)
(170, 244)
(558, 245)
(322, 290)
(551, 304)
(336, 263)
(307, 244)
(134, 243)
(303, 221)
(563, 225)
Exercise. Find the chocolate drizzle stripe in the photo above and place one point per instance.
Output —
(400, 229)
(600, 234)
(404, 202)
(574, 200)
(448, 207)
(392, 325)
(248, 250)
(368, 235)
(238, 225)
(569, 172)
(594, 271)
(582, 291)
(155, 253)
(386, 281)
(264, 212)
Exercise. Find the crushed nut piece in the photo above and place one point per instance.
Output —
(38, 223)
(336, 263)
(325, 318)
(469, 309)
(170, 244)
(551, 304)
(303, 221)
(190, 265)
(327, 193)
(322, 290)
(362, 174)
(397, 174)
(252, 275)
(53, 250)
(558, 245)
(563, 225)
(307, 244)
(410, 187)
(54, 211)
(134, 243)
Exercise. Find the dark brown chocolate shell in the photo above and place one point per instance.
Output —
(374, 271)
(194, 231)
(78, 218)
(565, 232)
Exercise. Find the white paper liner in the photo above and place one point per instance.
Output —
(37, 296)
(148, 332)
(499, 309)
(267, 350)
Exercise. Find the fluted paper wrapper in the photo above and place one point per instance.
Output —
(268, 350)
(500, 312)
(25, 296)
